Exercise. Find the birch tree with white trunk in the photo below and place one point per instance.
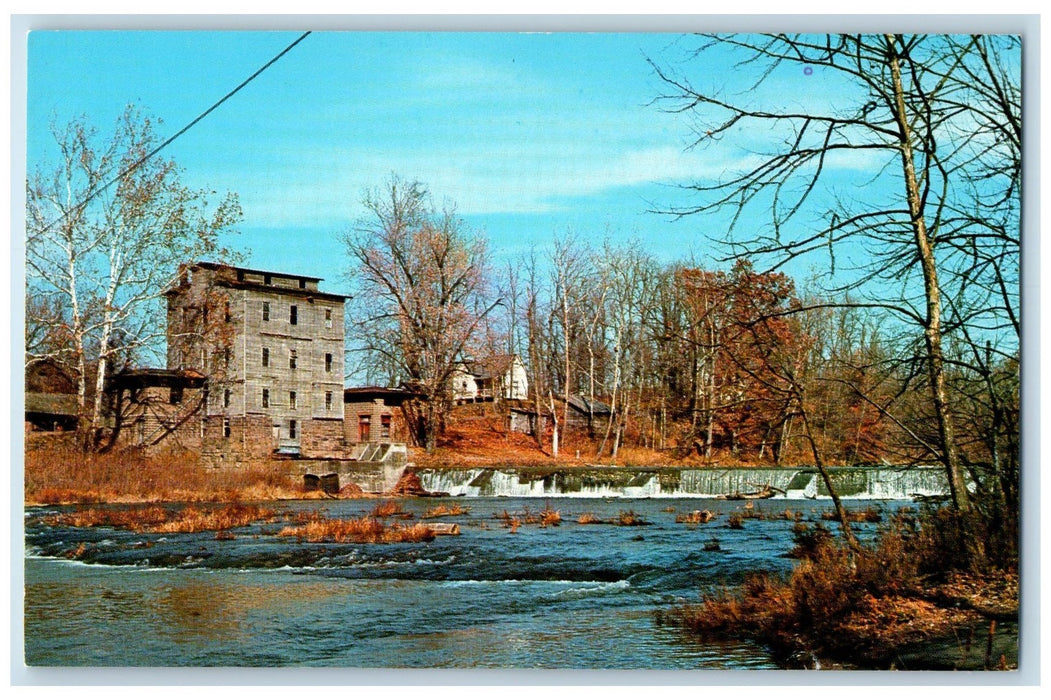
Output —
(107, 225)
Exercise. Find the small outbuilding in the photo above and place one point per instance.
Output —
(587, 413)
(370, 415)
(157, 409)
(50, 396)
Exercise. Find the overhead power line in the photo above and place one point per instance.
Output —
(131, 168)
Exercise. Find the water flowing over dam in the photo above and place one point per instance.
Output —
(892, 483)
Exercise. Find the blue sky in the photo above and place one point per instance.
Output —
(531, 135)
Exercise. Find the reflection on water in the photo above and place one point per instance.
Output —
(574, 596)
(215, 608)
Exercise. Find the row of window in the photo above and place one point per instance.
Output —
(293, 314)
(293, 359)
(292, 428)
(269, 279)
(365, 426)
(292, 399)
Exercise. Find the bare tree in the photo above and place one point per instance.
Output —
(938, 117)
(103, 252)
(421, 295)
(628, 280)
(570, 276)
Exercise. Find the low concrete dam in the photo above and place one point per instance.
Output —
(889, 483)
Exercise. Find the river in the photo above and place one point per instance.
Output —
(570, 596)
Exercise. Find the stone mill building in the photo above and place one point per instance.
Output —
(271, 345)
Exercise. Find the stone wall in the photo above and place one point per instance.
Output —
(323, 439)
(250, 437)
(373, 477)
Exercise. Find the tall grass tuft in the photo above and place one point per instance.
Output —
(358, 530)
(386, 509)
(697, 517)
(445, 510)
(159, 519)
(550, 517)
(629, 518)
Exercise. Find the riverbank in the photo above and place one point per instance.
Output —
(897, 602)
(57, 477)
(67, 476)
(476, 436)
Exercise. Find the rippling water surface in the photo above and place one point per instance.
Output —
(572, 596)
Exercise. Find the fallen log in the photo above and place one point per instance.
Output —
(767, 491)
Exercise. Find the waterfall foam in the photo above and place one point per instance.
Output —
(886, 483)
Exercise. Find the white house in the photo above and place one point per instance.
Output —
(497, 376)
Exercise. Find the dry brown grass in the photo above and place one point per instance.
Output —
(549, 517)
(859, 606)
(629, 518)
(697, 517)
(386, 509)
(192, 519)
(137, 519)
(626, 518)
(71, 477)
(160, 519)
(301, 517)
(871, 514)
(511, 521)
(444, 510)
(358, 531)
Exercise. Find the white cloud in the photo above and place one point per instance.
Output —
(535, 177)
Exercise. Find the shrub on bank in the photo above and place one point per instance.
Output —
(839, 603)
